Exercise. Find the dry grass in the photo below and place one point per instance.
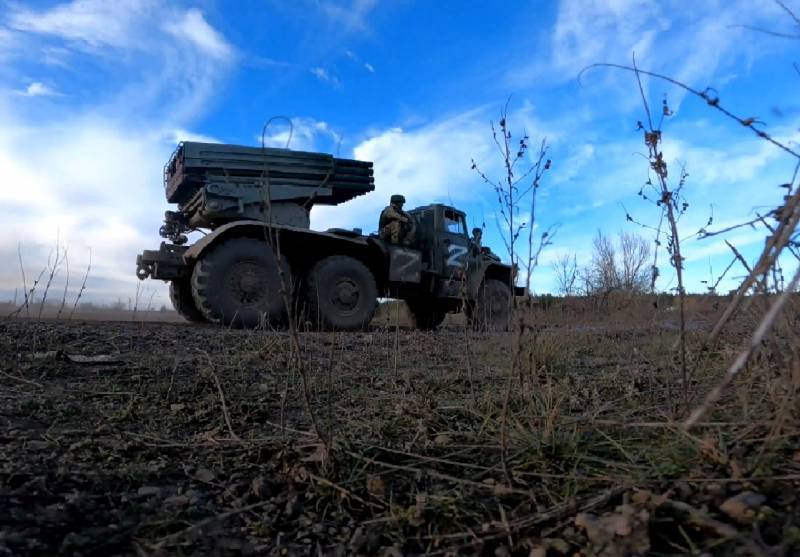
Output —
(143, 447)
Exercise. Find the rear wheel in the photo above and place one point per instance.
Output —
(428, 313)
(238, 284)
(180, 293)
(341, 294)
(490, 311)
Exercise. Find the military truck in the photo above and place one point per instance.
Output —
(259, 262)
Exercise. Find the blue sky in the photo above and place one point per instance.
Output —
(94, 95)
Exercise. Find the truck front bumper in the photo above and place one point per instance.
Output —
(165, 263)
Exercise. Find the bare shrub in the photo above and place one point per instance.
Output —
(634, 253)
(617, 267)
(565, 269)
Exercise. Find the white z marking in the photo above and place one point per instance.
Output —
(455, 256)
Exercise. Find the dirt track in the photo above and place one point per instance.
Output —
(125, 438)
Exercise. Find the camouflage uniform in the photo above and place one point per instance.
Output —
(477, 237)
(396, 225)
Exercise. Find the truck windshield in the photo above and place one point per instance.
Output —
(454, 223)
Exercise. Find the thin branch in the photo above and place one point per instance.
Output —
(788, 11)
(221, 393)
(722, 529)
(703, 234)
(83, 285)
(744, 356)
(707, 95)
(766, 31)
(641, 92)
(739, 257)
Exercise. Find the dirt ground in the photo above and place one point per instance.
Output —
(168, 438)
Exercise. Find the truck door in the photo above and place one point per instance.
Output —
(454, 249)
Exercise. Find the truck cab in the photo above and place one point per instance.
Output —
(445, 270)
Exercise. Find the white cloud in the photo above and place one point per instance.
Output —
(324, 75)
(354, 57)
(304, 134)
(177, 135)
(426, 164)
(38, 89)
(598, 30)
(93, 23)
(6, 39)
(352, 15)
(148, 64)
(92, 177)
(700, 46)
(194, 28)
(320, 73)
(119, 24)
(86, 182)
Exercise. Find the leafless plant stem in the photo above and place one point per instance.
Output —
(66, 287)
(668, 203)
(51, 275)
(273, 238)
(741, 360)
(739, 257)
(226, 416)
(83, 285)
(775, 244)
(24, 282)
(509, 196)
(29, 296)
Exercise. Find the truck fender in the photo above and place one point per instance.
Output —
(496, 271)
(236, 228)
(361, 247)
(259, 230)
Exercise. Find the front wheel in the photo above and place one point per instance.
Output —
(180, 293)
(490, 311)
(341, 294)
(238, 284)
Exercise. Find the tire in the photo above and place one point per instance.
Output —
(490, 312)
(428, 313)
(341, 294)
(180, 294)
(238, 284)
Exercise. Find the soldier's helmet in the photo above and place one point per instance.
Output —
(397, 199)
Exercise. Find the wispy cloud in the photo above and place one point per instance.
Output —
(426, 163)
(179, 134)
(351, 14)
(38, 89)
(102, 159)
(92, 23)
(324, 75)
(120, 24)
(355, 58)
(304, 134)
(192, 26)
(700, 46)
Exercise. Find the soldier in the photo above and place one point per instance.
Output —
(396, 225)
(477, 236)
